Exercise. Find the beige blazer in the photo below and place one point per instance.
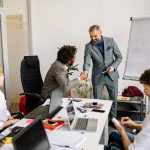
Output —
(57, 76)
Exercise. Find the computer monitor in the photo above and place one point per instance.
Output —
(33, 137)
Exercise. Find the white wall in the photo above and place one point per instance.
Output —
(59, 22)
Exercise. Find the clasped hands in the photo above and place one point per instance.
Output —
(83, 75)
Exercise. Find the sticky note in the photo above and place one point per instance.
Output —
(8, 140)
(30, 120)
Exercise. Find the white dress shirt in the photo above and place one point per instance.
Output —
(142, 139)
(4, 113)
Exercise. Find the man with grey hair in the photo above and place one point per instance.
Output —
(106, 57)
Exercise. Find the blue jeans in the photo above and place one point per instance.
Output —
(115, 140)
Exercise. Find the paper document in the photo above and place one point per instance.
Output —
(7, 147)
(55, 147)
(70, 138)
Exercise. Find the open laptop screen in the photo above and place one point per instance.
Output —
(33, 137)
(70, 112)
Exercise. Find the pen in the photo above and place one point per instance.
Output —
(65, 146)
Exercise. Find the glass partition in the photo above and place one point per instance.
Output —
(4, 55)
(18, 43)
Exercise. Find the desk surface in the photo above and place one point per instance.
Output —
(92, 138)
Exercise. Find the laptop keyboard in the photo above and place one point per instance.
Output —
(40, 110)
(43, 111)
(54, 112)
(81, 123)
(14, 131)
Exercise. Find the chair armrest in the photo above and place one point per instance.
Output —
(41, 99)
(17, 115)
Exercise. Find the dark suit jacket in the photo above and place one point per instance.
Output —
(57, 76)
(112, 57)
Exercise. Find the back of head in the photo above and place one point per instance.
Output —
(66, 53)
(145, 77)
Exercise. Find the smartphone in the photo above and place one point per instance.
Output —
(52, 123)
(77, 100)
(98, 110)
(94, 103)
(115, 121)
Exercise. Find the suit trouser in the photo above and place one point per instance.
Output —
(112, 88)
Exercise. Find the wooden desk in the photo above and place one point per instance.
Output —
(92, 138)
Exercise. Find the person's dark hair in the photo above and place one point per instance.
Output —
(66, 53)
(145, 77)
(94, 27)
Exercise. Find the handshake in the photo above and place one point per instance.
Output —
(83, 75)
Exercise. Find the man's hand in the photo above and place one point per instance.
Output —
(120, 128)
(126, 121)
(110, 69)
(83, 75)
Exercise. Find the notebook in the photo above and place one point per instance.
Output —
(51, 110)
(78, 123)
(33, 137)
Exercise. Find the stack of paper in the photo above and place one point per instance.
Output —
(67, 138)
(123, 98)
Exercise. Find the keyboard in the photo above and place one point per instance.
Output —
(51, 115)
(40, 110)
(14, 131)
(81, 123)
(43, 111)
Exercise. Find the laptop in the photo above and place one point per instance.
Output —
(78, 123)
(33, 137)
(51, 110)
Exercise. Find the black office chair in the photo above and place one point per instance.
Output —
(31, 82)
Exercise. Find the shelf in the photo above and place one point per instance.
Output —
(131, 106)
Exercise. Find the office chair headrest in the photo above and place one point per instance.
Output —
(32, 61)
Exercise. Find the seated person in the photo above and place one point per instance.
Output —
(57, 75)
(128, 141)
(5, 118)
